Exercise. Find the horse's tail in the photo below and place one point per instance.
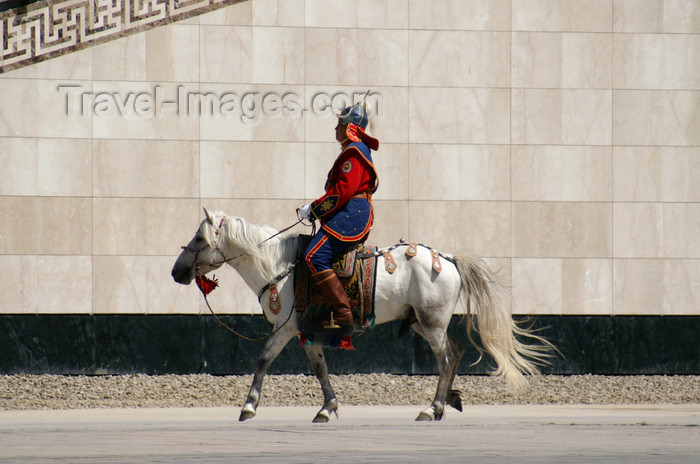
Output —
(487, 299)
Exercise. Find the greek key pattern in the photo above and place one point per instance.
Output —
(47, 29)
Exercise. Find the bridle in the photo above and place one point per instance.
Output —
(272, 284)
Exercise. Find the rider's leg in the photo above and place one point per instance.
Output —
(319, 254)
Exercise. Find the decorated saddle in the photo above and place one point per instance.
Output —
(356, 270)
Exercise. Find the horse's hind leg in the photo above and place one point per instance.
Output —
(453, 396)
(318, 362)
(269, 353)
(448, 353)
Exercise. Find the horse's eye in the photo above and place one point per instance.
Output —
(198, 239)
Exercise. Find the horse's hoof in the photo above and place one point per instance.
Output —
(424, 416)
(246, 413)
(454, 399)
(324, 415)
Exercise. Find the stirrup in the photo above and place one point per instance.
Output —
(331, 324)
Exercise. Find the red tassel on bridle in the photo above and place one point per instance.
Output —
(205, 284)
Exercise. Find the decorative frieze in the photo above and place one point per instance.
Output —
(47, 29)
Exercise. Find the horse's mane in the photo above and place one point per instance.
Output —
(249, 239)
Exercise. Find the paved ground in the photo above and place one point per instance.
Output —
(376, 434)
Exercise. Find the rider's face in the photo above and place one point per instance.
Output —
(340, 132)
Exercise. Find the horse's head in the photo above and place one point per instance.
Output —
(203, 254)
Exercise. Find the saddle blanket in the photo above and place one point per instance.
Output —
(356, 271)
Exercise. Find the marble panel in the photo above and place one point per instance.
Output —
(459, 115)
(45, 225)
(459, 58)
(638, 15)
(340, 57)
(45, 109)
(561, 173)
(276, 213)
(480, 227)
(656, 286)
(146, 168)
(19, 158)
(562, 286)
(391, 222)
(64, 167)
(360, 14)
(278, 12)
(172, 53)
(661, 230)
(143, 110)
(459, 172)
(252, 170)
(536, 59)
(638, 286)
(388, 108)
(18, 288)
(681, 223)
(638, 230)
(668, 16)
(319, 158)
(656, 117)
(46, 284)
(393, 171)
(657, 61)
(681, 287)
(587, 287)
(650, 174)
(587, 61)
(681, 16)
(492, 15)
(20, 93)
(561, 117)
(561, 60)
(140, 285)
(562, 15)
(249, 112)
(240, 14)
(120, 60)
(143, 226)
(260, 55)
(53, 116)
(537, 286)
(562, 230)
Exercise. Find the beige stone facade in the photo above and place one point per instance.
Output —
(558, 139)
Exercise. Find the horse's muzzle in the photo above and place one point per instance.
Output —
(182, 275)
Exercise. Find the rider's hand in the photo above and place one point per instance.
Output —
(304, 211)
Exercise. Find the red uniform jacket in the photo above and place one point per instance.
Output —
(343, 213)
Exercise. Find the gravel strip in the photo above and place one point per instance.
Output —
(23, 392)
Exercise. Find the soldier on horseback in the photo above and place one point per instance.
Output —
(345, 210)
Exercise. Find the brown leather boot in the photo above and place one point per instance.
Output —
(336, 297)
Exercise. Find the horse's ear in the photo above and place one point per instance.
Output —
(209, 216)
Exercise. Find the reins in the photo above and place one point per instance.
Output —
(270, 284)
(225, 326)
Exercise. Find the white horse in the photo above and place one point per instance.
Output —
(414, 292)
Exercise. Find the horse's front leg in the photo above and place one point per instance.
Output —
(269, 353)
(318, 362)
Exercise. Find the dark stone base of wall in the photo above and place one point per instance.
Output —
(182, 344)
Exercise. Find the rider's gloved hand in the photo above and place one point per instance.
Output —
(304, 211)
